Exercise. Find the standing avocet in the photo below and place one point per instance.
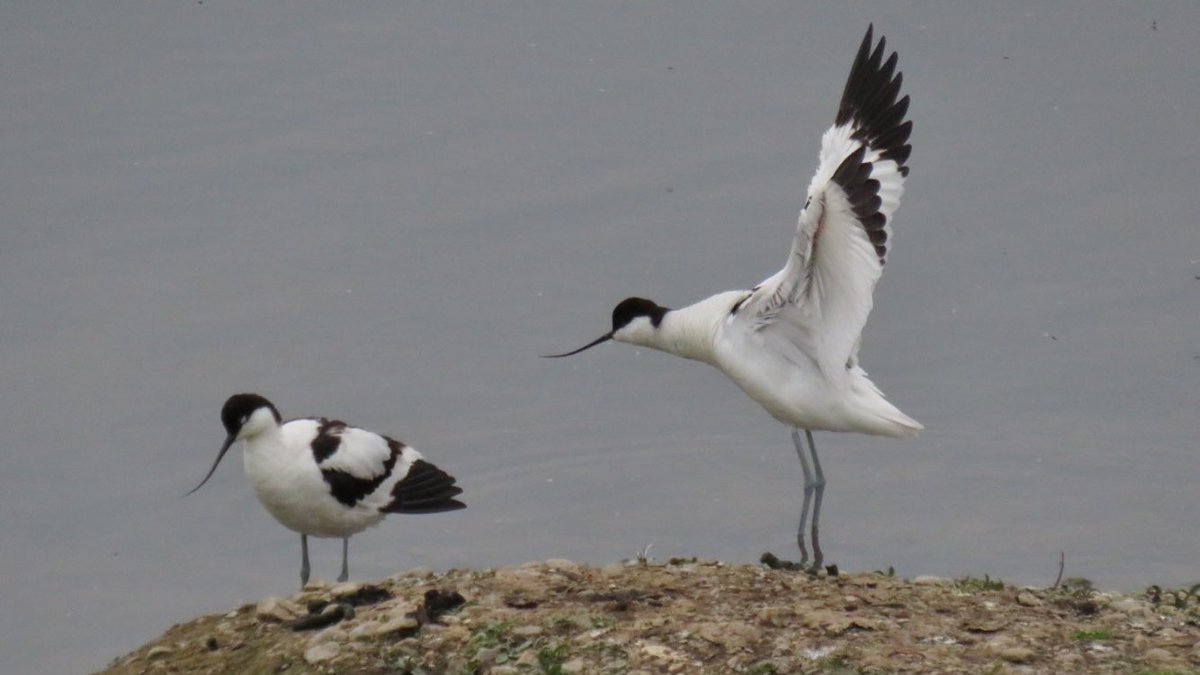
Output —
(791, 343)
(324, 478)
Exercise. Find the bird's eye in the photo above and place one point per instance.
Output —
(245, 418)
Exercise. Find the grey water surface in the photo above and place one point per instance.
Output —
(384, 212)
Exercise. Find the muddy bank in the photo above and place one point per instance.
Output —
(557, 616)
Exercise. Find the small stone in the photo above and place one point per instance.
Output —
(775, 616)
(516, 573)
(345, 589)
(732, 635)
(329, 615)
(322, 652)
(527, 631)
(929, 580)
(984, 623)
(864, 623)
(1067, 660)
(401, 610)
(412, 576)
(642, 625)
(404, 625)
(658, 651)
(1017, 654)
(487, 655)
(613, 569)
(815, 654)
(1195, 655)
(277, 609)
(330, 634)
(1164, 660)
(1028, 599)
(832, 623)
(451, 634)
(561, 564)
(364, 630)
(1128, 605)
(528, 658)
(158, 652)
(573, 666)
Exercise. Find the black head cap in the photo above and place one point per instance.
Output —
(624, 314)
(631, 308)
(234, 415)
(240, 407)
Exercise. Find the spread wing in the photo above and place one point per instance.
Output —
(819, 302)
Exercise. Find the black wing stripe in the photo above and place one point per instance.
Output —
(853, 177)
(867, 200)
(328, 438)
(425, 489)
(349, 489)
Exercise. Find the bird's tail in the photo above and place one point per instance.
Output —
(876, 414)
(903, 426)
(424, 489)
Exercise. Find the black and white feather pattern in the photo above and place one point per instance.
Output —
(365, 468)
(816, 306)
(875, 120)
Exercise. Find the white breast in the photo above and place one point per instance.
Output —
(289, 484)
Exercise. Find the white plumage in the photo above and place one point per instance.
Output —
(325, 478)
(791, 342)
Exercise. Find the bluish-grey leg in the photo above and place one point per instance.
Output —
(303, 560)
(345, 561)
(819, 486)
(808, 493)
(814, 492)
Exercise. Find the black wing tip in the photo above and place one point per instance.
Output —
(870, 105)
(444, 506)
(425, 489)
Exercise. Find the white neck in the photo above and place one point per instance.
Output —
(689, 332)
